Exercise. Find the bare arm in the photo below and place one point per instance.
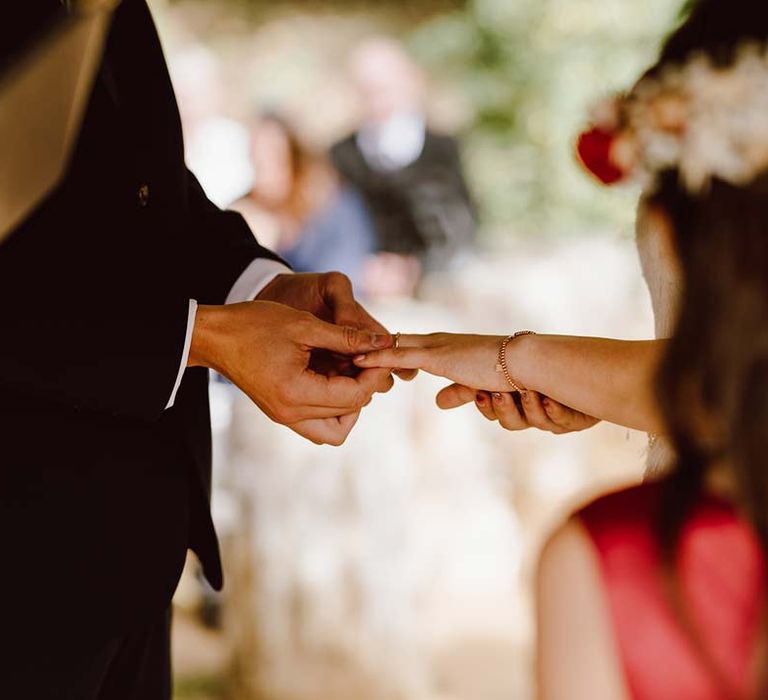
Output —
(609, 379)
(576, 652)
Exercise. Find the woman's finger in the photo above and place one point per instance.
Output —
(536, 415)
(568, 418)
(400, 358)
(485, 405)
(454, 396)
(508, 413)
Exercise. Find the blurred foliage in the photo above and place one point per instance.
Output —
(529, 70)
(521, 75)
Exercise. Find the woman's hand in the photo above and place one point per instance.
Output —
(518, 412)
(469, 360)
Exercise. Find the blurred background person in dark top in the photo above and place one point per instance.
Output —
(411, 177)
(298, 202)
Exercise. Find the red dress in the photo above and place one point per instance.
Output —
(720, 569)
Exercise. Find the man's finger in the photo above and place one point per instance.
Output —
(378, 381)
(343, 339)
(329, 431)
(338, 295)
(340, 393)
(454, 396)
(352, 313)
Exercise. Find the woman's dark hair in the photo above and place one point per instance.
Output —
(713, 381)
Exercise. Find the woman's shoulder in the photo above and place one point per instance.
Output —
(621, 510)
(621, 520)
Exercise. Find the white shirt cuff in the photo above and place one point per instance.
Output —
(191, 314)
(254, 278)
(246, 288)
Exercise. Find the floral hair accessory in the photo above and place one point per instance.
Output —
(702, 120)
(594, 149)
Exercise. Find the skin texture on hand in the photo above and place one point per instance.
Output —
(265, 349)
(465, 359)
(608, 379)
(518, 411)
(329, 296)
(473, 358)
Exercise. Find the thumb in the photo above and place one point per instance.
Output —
(455, 395)
(345, 339)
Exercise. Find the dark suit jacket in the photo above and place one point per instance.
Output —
(101, 489)
(424, 209)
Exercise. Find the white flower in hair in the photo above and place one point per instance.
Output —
(703, 120)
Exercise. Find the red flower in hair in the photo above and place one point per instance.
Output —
(594, 150)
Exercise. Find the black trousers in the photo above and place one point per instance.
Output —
(136, 666)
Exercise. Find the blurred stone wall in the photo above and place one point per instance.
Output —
(399, 565)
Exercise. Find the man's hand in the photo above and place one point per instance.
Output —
(265, 349)
(328, 296)
(527, 410)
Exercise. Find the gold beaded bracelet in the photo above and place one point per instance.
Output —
(501, 366)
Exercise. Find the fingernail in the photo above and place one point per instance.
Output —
(381, 341)
(496, 396)
(359, 358)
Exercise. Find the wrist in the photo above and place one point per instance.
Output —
(519, 351)
(206, 336)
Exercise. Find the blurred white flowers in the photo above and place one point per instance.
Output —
(704, 120)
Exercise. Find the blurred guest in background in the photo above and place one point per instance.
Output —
(297, 201)
(411, 178)
(215, 145)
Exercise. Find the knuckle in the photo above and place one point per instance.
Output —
(290, 397)
(350, 337)
(303, 323)
(361, 397)
(337, 279)
(287, 415)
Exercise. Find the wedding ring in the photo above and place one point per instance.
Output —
(397, 340)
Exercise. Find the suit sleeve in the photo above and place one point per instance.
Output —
(221, 247)
(95, 352)
(83, 334)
